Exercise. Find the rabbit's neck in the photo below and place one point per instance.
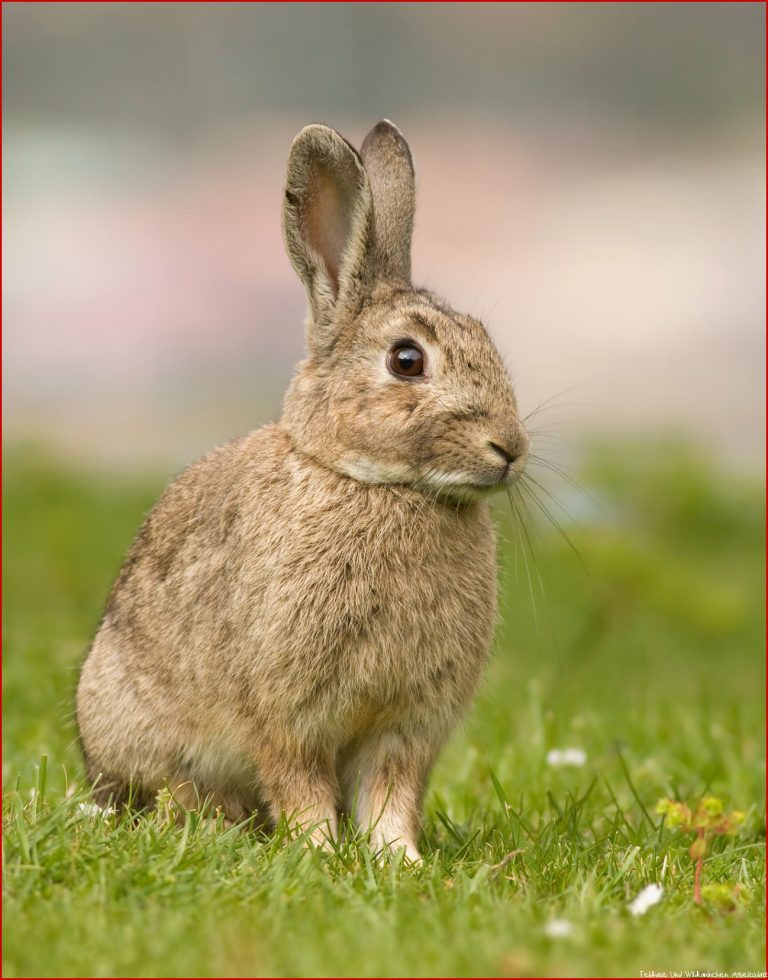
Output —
(386, 484)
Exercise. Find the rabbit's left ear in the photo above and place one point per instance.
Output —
(389, 165)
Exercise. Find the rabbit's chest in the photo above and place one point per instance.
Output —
(399, 613)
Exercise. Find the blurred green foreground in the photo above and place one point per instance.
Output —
(639, 642)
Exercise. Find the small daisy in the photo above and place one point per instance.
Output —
(649, 896)
(566, 757)
(558, 928)
(94, 810)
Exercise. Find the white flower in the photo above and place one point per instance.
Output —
(566, 757)
(94, 810)
(649, 896)
(558, 928)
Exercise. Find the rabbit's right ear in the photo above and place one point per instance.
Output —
(328, 226)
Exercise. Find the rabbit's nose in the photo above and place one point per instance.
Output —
(508, 455)
(511, 445)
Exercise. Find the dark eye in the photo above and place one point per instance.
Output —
(406, 361)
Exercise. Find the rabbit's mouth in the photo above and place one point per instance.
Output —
(497, 466)
(465, 485)
(486, 475)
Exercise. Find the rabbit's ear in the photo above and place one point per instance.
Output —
(389, 166)
(328, 223)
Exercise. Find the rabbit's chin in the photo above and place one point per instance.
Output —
(451, 485)
(462, 487)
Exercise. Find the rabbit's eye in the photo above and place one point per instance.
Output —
(406, 361)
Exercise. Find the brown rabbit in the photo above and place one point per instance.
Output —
(306, 612)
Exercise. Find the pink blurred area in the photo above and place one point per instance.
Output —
(150, 310)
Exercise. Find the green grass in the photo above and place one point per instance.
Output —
(650, 660)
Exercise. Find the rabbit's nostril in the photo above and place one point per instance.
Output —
(509, 457)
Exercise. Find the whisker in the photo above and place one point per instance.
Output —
(558, 527)
(550, 621)
(527, 478)
(552, 398)
(518, 527)
(549, 429)
(565, 475)
(532, 535)
(549, 408)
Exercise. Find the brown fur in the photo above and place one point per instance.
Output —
(306, 612)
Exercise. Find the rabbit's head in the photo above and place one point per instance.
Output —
(397, 387)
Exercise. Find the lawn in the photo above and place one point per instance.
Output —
(639, 641)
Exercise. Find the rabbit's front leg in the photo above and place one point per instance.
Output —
(301, 785)
(384, 783)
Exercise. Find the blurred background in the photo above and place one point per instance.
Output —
(590, 182)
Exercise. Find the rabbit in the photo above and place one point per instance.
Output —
(305, 614)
